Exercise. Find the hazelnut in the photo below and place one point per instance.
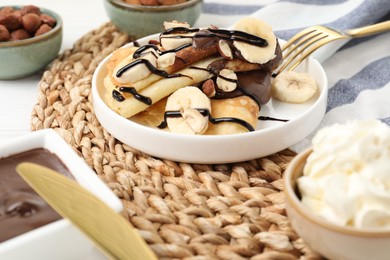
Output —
(6, 11)
(31, 22)
(149, 2)
(44, 28)
(4, 33)
(10, 21)
(17, 13)
(227, 80)
(47, 19)
(225, 50)
(155, 42)
(19, 34)
(208, 88)
(133, 2)
(171, 2)
(30, 9)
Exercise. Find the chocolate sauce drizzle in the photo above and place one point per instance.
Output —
(136, 43)
(206, 112)
(150, 67)
(118, 96)
(268, 118)
(228, 79)
(230, 35)
(142, 49)
(144, 99)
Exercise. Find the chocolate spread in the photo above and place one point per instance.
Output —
(21, 208)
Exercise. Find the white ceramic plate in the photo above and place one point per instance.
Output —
(269, 136)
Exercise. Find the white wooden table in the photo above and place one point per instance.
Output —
(17, 97)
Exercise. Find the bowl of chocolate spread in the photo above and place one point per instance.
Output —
(22, 208)
(29, 227)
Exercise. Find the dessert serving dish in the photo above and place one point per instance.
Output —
(280, 124)
(141, 20)
(30, 45)
(32, 238)
(328, 239)
(337, 196)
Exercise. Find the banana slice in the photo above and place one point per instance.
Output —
(252, 53)
(174, 24)
(186, 100)
(293, 87)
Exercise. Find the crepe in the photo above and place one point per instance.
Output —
(242, 108)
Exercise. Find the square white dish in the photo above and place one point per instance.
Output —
(59, 239)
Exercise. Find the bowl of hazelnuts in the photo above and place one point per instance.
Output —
(30, 38)
(139, 18)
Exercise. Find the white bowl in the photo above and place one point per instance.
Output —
(59, 239)
(330, 240)
(269, 136)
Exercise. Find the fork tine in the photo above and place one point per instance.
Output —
(310, 51)
(298, 36)
(318, 37)
(302, 41)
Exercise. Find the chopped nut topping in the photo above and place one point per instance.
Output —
(227, 80)
(208, 88)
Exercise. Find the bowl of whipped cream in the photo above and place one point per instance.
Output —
(338, 191)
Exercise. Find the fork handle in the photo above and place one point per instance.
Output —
(369, 30)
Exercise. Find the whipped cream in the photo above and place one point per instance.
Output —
(346, 179)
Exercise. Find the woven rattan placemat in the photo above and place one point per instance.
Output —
(191, 211)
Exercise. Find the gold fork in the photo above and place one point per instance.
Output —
(307, 41)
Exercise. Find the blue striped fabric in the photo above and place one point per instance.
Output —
(358, 73)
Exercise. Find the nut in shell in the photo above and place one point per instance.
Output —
(10, 21)
(44, 28)
(19, 34)
(31, 22)
(24, 23)
(171, 2)
(4, 33)
(149, 2)
(47, 19)
(28, 9)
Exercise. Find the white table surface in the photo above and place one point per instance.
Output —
(17, 97)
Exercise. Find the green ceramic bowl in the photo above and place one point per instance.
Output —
(22, 58)
(139, 21)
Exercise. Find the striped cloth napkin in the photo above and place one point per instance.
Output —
(358, 72)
